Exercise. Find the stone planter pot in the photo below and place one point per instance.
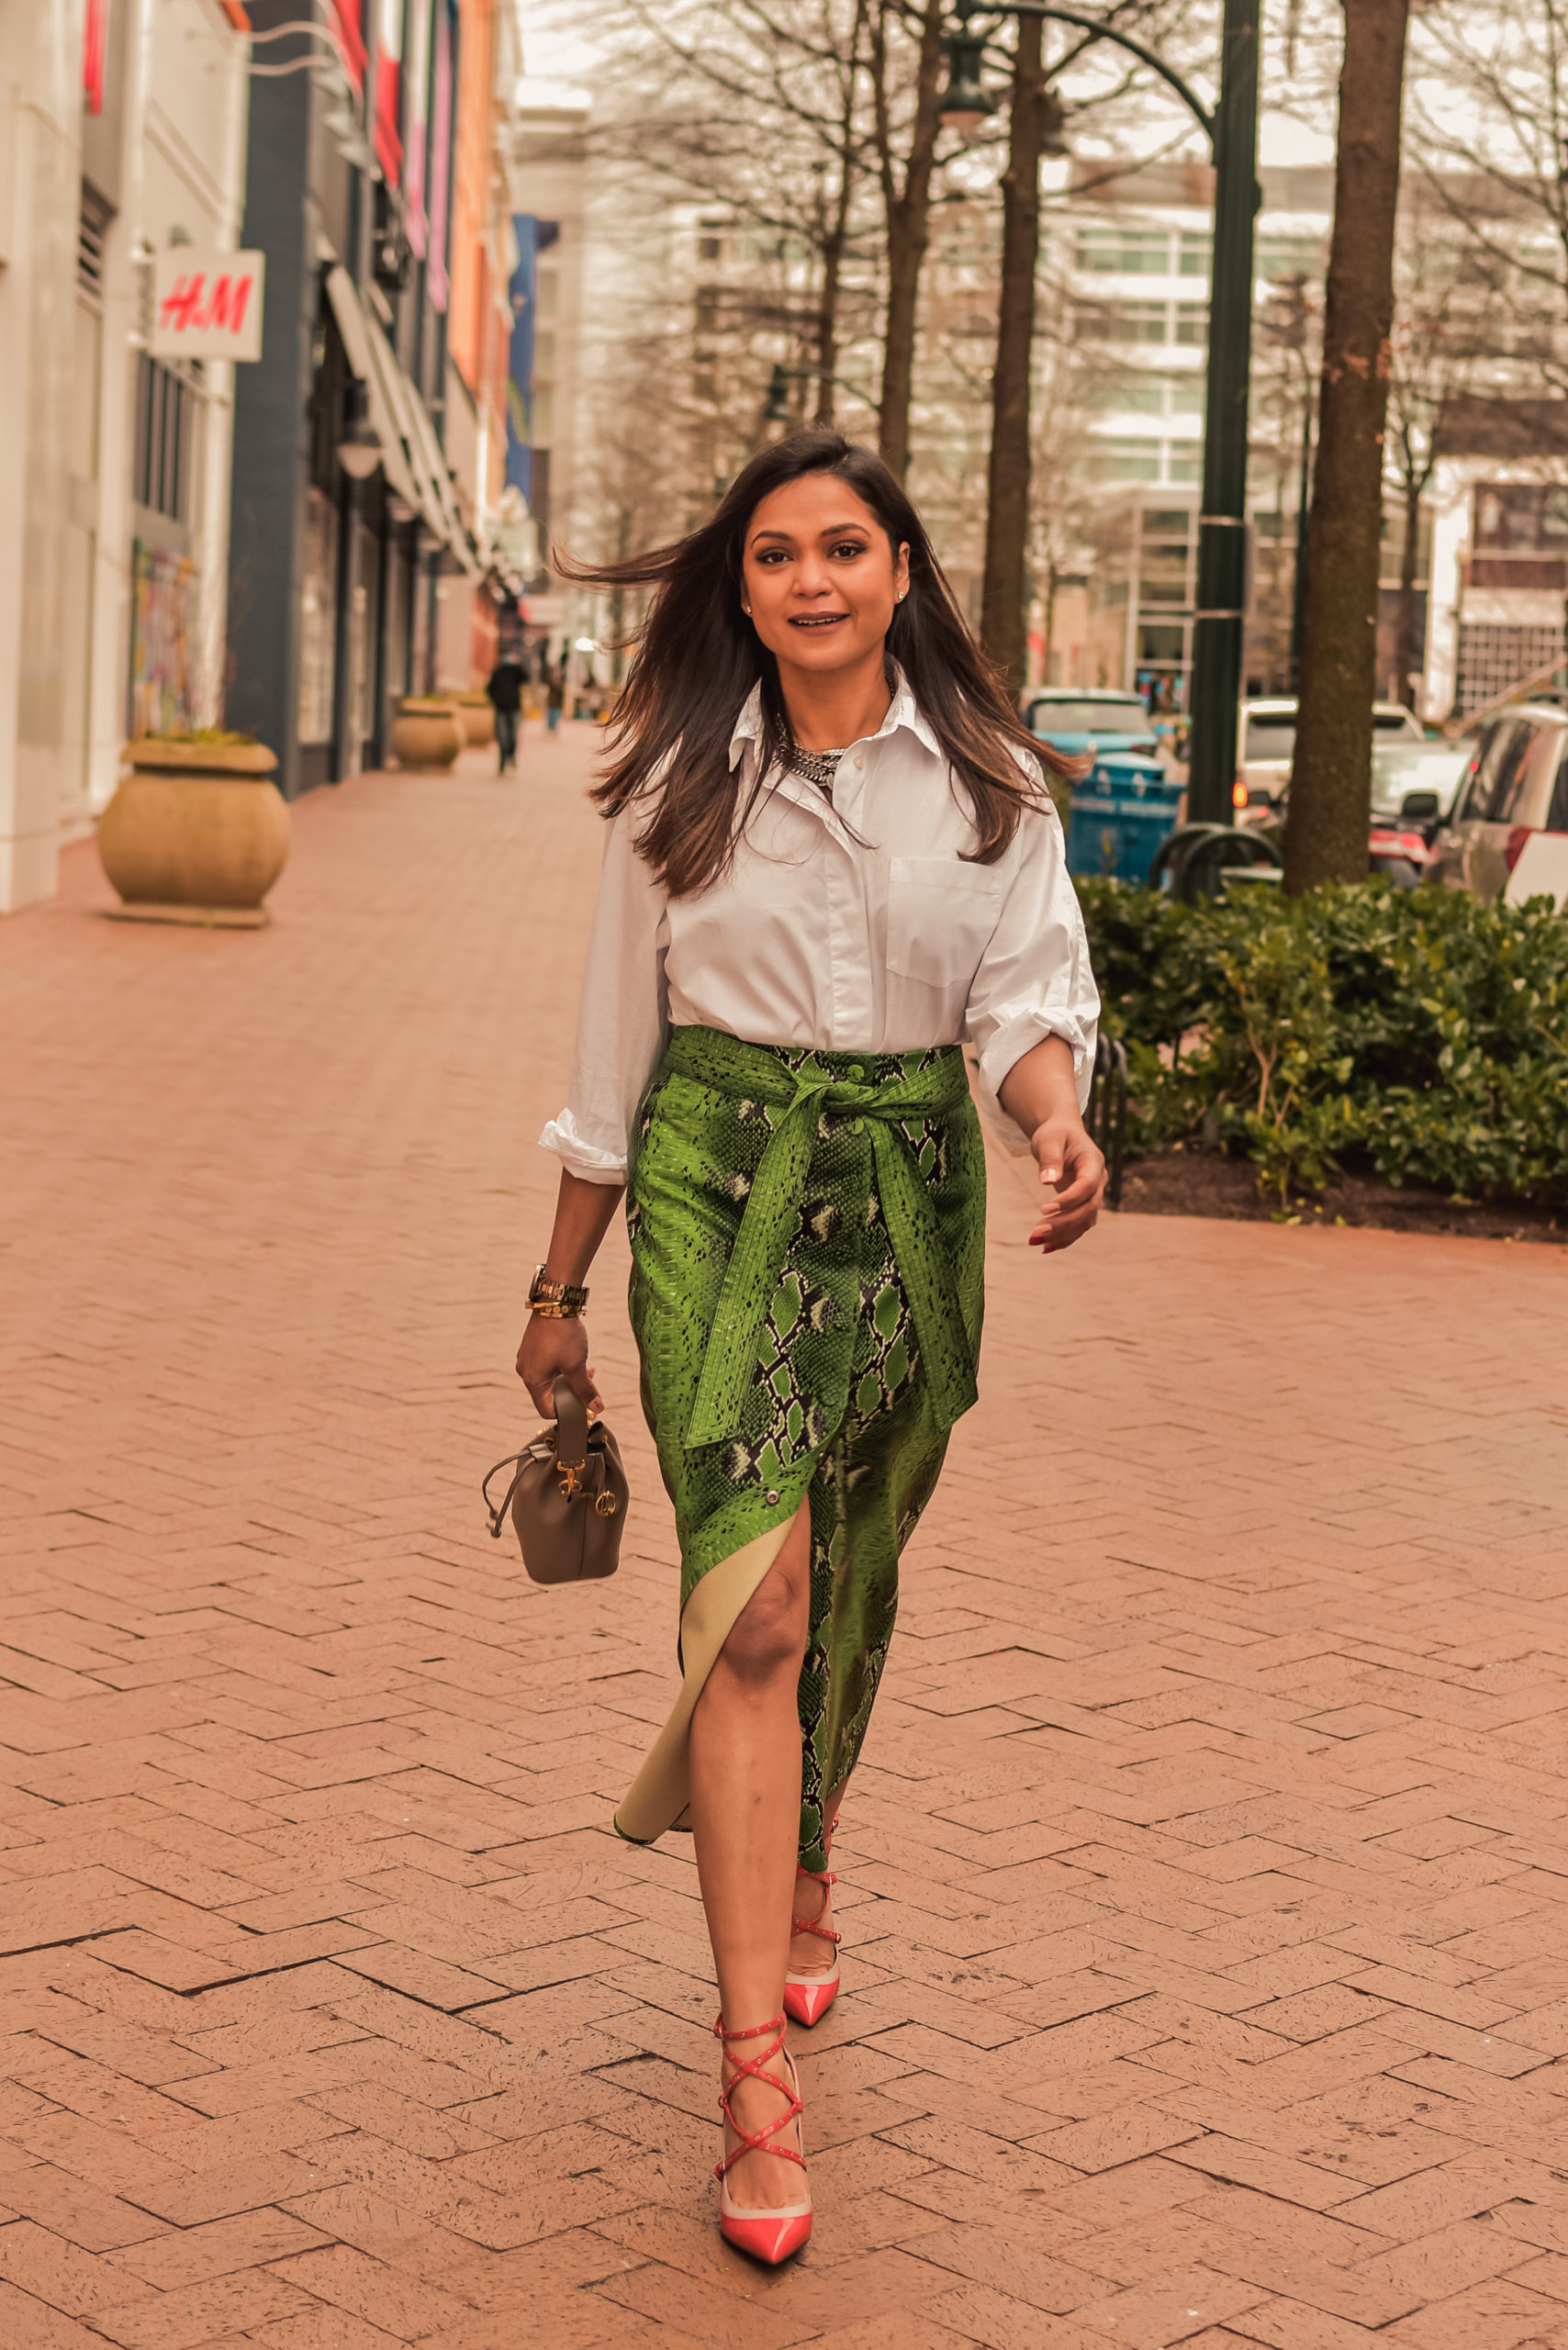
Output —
(428, 733)
(477, 712)
(196, 833)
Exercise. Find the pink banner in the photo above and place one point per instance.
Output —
(440, 157)
(417, 108)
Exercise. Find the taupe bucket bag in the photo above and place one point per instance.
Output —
(568, 1497)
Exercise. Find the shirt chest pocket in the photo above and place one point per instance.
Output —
(941, 915)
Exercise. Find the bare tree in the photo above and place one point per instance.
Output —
(1450, 328)
(1003, 595)
(833, 231)
(1287, 362)
(1326, 836)
(905, 141)
(1494, 152)
(759, 108)
(1035, 120)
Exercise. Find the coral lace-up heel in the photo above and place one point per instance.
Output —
(806, 1997)
(767, 2234)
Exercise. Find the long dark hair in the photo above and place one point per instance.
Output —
(697, 657)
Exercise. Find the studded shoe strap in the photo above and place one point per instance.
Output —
(752, 2068)
(826, 1879)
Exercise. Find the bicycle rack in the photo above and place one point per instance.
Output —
(1107, 1119)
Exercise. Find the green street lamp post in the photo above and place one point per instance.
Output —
(1232, 130)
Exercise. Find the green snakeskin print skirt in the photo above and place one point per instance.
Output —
(808, 1240)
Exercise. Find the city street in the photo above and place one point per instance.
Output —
(1205, 1893)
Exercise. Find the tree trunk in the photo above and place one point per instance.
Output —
(836, 236)
(908, 228)
(1003, 618)
(827, 318)
(1411, 648)
(1331, 796)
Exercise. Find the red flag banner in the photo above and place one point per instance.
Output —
(388, 80)
(350, 15)
(95, 47)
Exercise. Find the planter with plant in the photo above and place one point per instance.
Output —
(428, 732)
(198, 832)
(477, 712)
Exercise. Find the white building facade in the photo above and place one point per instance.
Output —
(122, 134)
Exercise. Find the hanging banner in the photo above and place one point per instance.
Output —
(530, 233)
(206, 306)
(388, 80)
(94, 49)
(350, 15)
(417, 104)
(441, 156)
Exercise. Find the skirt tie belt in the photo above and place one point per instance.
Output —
(757, 1072)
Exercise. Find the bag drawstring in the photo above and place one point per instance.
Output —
(515, 1462)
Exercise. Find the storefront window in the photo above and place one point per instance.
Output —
(317, 600)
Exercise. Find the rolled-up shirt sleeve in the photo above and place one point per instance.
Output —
(1034, 979)
(622, 1019)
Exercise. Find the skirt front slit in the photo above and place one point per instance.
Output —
(807, 1240)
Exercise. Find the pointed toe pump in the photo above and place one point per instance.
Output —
(768, 2235)
(806, 1997)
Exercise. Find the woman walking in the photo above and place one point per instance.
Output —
(831, 858)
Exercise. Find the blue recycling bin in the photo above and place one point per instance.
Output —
(1121, 812)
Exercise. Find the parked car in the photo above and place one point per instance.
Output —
(1074, 720)
(1515, 786)
(1265, 749)
(1416, 784)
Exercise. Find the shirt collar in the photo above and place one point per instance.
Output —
(903, 710)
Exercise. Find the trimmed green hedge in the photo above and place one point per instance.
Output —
(1416, 1034)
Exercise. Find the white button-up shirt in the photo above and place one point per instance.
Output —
(848, 925)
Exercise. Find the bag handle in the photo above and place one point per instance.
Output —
(571, 1438)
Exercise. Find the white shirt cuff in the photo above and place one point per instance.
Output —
(584, 1159)
(1021, 1035)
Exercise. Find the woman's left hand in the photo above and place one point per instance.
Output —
(1069, 1161)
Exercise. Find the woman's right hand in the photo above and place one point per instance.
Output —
(554, 1348)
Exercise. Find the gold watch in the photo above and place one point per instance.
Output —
(558, 1301)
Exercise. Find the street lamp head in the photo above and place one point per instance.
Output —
(1053, 125)
(359, 449)
(966, 105)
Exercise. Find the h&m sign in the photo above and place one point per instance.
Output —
(206, 306)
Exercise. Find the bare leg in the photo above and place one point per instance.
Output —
(745, 1812)
(810, 1953)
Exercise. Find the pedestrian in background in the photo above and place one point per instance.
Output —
(832, 857)
(555, 693)
(504, 689)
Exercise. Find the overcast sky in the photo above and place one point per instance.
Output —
(1297, 129)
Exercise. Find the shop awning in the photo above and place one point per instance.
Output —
(411, 458)
(445, 488)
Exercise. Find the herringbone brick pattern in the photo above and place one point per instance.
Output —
(1206, 1888)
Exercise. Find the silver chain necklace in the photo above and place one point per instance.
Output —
(820, 767)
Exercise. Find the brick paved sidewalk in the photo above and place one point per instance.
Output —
(1206, 1888)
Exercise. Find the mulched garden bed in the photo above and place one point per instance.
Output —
(1205, 1182)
